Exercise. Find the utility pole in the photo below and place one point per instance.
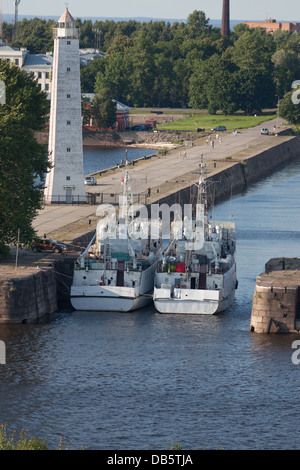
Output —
(17, 3)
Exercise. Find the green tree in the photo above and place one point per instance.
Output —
(104, 109)
(197, 23)
(289, 107)
(89, 73)
(252, 53)
(254, 49)
(256, 91)
(115, 75)
(214, 86)
(141, 58)
(36, 35)
(286, 70)
(23, 161)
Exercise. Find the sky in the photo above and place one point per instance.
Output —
(172, 9)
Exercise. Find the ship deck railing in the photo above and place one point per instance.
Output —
(111, 266)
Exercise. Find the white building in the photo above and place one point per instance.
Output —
(65, 181)
(41, 64)
(38, 64)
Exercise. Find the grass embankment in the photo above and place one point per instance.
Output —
(207, 121)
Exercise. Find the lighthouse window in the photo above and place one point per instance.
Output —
(68, 149)
(68, 69)
(68, 42)
(68, 96)
(68, 123)
(68, 178)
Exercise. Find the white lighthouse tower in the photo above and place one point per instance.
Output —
(65, 180)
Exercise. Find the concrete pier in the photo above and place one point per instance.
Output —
(235, 162)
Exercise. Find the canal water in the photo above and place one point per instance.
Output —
(143, 380)
(100, 159)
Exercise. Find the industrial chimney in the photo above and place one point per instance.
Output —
(225, 19)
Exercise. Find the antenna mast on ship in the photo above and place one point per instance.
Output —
(127, 198)
(202, 209)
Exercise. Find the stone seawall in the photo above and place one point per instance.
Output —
(237, 176)
(276, 307)
(34, 297)
(28, 299)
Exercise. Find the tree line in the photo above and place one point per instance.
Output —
(186, 64)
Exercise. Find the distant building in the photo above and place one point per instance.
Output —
(38, 64)
(122, 114)
(272, 25)
(41, 64)
(88, 55)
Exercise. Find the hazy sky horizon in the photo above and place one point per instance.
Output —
(254, 10)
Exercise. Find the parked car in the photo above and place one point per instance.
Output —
(138, 127)
(265, 131)
(219, 129)
(90, 180)
(48, 246)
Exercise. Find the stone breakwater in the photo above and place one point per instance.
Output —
(28, 299)
(36, 296)
(276, 301)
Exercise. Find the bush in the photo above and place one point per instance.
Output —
(9, 442)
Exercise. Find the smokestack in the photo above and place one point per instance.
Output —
(225, 19)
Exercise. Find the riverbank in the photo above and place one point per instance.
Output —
(94, 139)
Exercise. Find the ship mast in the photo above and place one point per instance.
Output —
(127, 198)
(202, 210)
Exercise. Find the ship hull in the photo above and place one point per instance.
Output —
(204, 306)
(172, 300)
(98, 297)
(109, 303)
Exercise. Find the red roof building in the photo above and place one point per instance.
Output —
(272, 25)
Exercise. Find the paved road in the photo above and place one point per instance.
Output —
(175, 163)
(66, 222)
